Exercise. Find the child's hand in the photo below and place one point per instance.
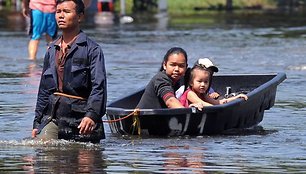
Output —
(214, 95)
(243, 96)
(199, 105)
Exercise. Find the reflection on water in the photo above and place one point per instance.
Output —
(133, 54)
(176, 161)
(53, 157)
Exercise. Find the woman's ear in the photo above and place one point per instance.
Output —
(164, 65)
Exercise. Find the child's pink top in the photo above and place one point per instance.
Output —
(46, 6)
(184, 101)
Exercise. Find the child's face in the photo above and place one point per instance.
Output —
(175, 66)
(200, 82)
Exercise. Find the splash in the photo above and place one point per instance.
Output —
(49, 144)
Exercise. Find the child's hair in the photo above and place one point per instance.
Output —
(190, 74)
(173, 50)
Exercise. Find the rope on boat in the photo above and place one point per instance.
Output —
(134, 113)
(136, 124)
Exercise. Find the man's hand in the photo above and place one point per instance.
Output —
(25, 8)
(86, 126)
(34, 133)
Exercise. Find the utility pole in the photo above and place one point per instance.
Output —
(229, 5)
(122, 7)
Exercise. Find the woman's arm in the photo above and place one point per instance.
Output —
(173, 102)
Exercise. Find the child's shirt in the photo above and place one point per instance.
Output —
(184, 101)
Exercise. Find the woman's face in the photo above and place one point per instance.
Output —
(176, 66)
(200, 82)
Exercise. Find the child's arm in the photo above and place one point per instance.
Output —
(173, 102)
(243, 96)
(193, 98)
(212, 101)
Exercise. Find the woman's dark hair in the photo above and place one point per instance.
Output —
(80, 7)
(173, 50)
(190, 74)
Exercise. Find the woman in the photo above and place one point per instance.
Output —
(160, 92)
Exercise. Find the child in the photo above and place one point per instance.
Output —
(160, 92)
(211, 67)
(199, 84)
(184, 82)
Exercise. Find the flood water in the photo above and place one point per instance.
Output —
(133, 54)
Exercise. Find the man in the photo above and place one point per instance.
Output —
(72, 93)
(42, 20)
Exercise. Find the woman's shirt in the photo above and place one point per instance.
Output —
(158, 90)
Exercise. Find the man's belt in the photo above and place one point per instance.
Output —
(69, 96)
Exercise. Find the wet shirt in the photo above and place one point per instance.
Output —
(158, 90)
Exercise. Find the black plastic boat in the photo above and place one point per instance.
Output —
(238, 114)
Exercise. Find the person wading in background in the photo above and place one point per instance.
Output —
(42, 20)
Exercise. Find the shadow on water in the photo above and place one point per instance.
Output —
(292, 104)
(255, 130)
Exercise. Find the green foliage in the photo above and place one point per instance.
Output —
(188, 7)
(128, 6)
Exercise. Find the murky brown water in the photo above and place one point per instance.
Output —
(133, 54)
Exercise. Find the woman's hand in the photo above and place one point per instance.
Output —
(214, 95)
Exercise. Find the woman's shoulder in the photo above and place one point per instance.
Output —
(160, 76)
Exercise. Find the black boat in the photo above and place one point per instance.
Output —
(260, 88)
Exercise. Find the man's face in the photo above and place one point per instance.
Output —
(66, 15)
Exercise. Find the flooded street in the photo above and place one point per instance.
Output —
(133, 54)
